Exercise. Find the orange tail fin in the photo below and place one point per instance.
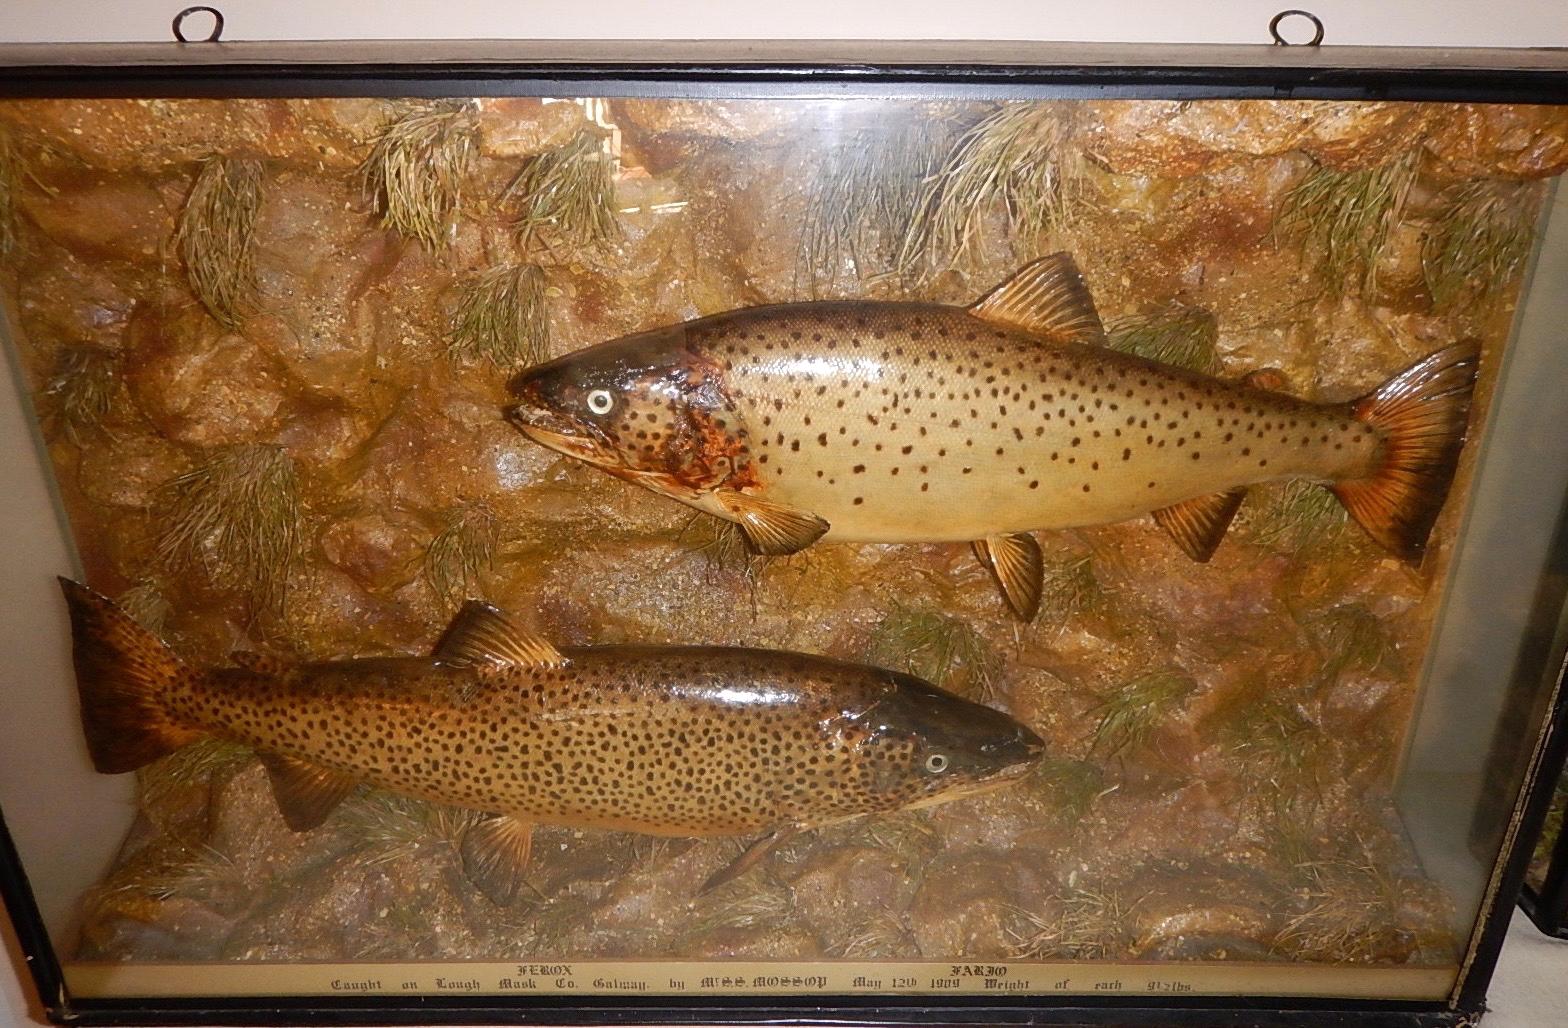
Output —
(1421, 414)
(123, 676)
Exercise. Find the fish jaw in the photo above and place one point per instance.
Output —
(981, 786)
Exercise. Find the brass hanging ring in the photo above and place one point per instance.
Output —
(1317, 28)
(217, 24)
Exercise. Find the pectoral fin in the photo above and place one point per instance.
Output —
(495, 853)
(749, 859)
(1199, 524)
(1015, 562)
(306, 793)
(772, 528)
(1047, 298)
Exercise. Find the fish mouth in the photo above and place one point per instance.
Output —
(551, 430)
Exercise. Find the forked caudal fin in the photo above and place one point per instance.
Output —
(1421, 414)
(123, 676)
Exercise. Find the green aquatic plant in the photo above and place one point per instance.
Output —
(1072, 785)
(1068, 587)
(501, 317)
(756, 899)
(1131, 711)
(216, 236)
(881, 936)
(238, 516)
(461, 552)
(146, 604)
(566, 195)
(388, 826)
(81, 390)
(1181, 336)
(416, 168)
(723, 547)
(940, 648)
(167, 780)
(908, 835)
(860, 198)
(1480, 239)
(1012, 161)
(1344, 218)
(397, 932)
(1087, 923)
(1298, 515)
(1350, 637)
(1278, 753)
(207, 876)
(1348, 912)
(545, 924)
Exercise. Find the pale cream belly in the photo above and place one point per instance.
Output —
(957, 486)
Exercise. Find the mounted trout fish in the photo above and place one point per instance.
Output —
(917, 422)
(678, 741)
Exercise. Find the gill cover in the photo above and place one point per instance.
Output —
(643, 406)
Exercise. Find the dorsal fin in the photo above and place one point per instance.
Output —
(1045, 298)
(306, 792)
(482, 634)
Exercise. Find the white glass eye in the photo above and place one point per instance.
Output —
(936, 763)
(600, 401)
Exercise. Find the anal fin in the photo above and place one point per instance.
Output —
(1199, 524)
(772, 529)
(749, 859)
(1019, 569)
(495, 854)
(306, 792)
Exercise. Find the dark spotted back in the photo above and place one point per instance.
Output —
(670, 741)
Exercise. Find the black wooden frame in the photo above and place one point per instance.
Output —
(798, 69)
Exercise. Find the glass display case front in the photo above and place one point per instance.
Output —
(997, 549)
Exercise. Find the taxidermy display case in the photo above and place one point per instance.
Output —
(742, 533)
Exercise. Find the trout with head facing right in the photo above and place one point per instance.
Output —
(917, 422)
(662, 740)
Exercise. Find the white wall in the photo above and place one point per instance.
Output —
(1404, 22)
(1372, 22)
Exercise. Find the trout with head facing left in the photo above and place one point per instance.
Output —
(917, 422)
(662, 740)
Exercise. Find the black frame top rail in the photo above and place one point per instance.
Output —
(780, 68)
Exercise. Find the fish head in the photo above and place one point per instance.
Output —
(929, 746)
(643, 407)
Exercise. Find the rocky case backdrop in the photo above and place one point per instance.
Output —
(268, 343)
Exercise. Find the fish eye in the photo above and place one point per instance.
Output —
(936, 763)
(600, 401)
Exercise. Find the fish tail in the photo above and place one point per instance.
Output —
(1421, 414)
(124, 675)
